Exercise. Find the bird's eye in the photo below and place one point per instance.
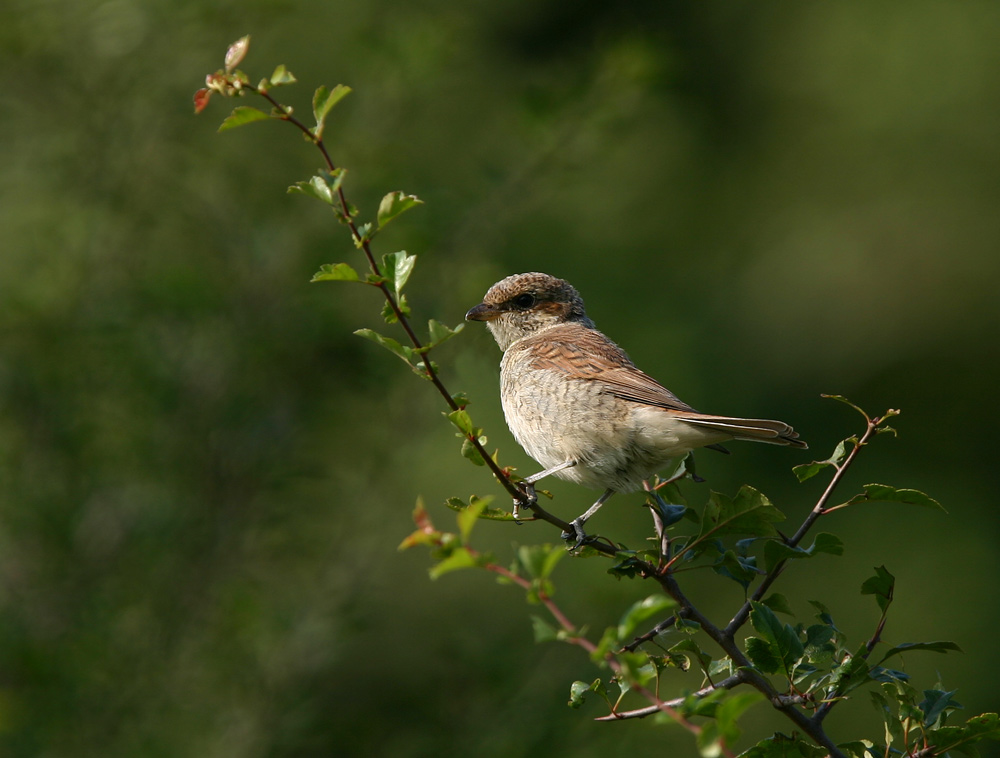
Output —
(524, 301)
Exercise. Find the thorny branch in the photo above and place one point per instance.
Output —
(519, 496)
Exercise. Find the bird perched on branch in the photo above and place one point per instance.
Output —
(578, 405)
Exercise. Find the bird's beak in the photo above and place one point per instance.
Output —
(482, 312)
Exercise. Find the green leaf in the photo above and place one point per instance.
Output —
(397, 268)
(242, 114)
(983, 727)
(782, 746)
(742, 570)
(460, 558)
(336, 272)
(851, 673)
(544, 631)
(578, 692)
(905, 647)
(390, 317)
(881, 585)
(884, 493)
(782, 638)
(778, 603)
(323, 102)
(690, 650)
(858, 749)
(236, 52)
(320, 187)
(749, 513)
(640, 611)
(491, 514)
(393, 205)
(404, 352)
(471, 452)
(776, 551)
(808, 470)
(462, 420)
(763, 655)
(281, 76)
(936, 703)
(439, 332)
(468, 516)
(845, 401)
(540, 560)
(730, 710)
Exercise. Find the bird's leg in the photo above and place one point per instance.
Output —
(527, 486)
(578, 534)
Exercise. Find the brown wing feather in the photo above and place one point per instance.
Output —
(586, 354)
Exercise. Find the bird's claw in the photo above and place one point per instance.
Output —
(527, 501)
(577, 536)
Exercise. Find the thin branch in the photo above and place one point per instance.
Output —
(500, 475)
(640, 713)
(818, 510)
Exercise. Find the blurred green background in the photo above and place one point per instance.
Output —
(205, 475)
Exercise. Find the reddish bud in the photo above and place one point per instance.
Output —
(201, 98)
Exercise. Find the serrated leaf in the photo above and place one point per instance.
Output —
(782, 746)
(281, 76)
(778, 603)
(336, 272)
(440, 333)
(740, 569)
(640, 611)
(809, 470)
(782, 638)
(935, 647)
(982, 727)
(776, 551)
(323, 101)
(236, 52)
(393, 204)
(881, 586)
(397, 268)
(750, 512)
(851, 673)
(887, 494)
(935, 703)
(491, 514)
(763, 655)
(319, 187)
(404, 352)
(242, 114)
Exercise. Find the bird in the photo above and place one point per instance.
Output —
(580, 407)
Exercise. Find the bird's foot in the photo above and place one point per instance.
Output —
(527, 500)
(578, 537)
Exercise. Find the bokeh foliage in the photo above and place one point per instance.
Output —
(205, 474)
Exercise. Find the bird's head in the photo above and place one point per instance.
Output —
(523, 304)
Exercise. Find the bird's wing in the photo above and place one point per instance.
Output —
(586, 354)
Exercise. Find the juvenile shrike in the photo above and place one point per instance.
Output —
(578, 405)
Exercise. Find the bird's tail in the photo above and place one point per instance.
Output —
(753, 429)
